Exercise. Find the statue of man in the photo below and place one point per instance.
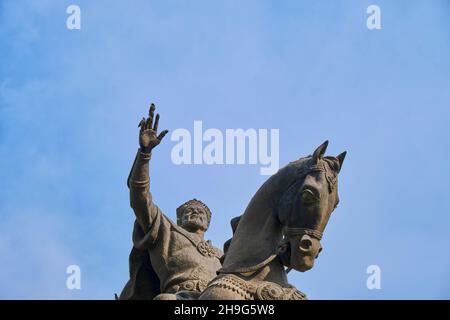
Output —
(168, 260)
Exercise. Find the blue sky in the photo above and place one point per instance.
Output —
(70, 102)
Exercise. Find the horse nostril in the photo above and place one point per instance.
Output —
(305, 244)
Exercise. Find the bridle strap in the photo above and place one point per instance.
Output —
(290, 232)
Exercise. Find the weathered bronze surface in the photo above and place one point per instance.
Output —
(280, 230)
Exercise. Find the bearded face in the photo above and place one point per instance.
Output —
(194, 218)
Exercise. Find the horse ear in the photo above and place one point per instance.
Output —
(341, 158)
(319, 152)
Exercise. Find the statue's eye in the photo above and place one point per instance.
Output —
(308, 197)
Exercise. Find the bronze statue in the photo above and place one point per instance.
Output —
(168, 261)
(280, 230)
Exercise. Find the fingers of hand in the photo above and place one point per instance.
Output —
(141, 124)
(155, 126)
(147, 126)
(150, 117)
(162, 134)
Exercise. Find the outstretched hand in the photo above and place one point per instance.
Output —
(148, 138)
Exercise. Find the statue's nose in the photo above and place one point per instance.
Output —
(306, 243)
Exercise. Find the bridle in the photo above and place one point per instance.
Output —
(289, 232)
(292, 232)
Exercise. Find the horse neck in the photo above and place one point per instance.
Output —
(259, 215)
(258, 233)
(259, 218)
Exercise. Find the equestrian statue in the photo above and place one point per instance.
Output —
(280, 230)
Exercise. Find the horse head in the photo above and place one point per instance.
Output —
(304, 206)
(287, 216)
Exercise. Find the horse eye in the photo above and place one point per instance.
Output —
(308, 196)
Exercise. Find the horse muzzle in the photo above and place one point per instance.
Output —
(304, 248)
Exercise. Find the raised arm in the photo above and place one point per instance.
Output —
(138, 180)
